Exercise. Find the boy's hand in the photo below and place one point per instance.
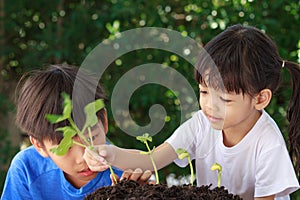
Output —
(136, 175)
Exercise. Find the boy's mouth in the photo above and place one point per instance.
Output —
(86, 172)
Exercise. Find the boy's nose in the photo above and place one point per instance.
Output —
(79, 154)
(78, 151)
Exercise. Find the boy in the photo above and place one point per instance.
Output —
(37, 173)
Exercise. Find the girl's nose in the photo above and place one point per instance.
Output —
(212, 104)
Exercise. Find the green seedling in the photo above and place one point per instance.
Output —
(217, 167)
(182, 153)
(69, 132)
(145, 138)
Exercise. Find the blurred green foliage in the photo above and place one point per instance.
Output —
(34, 33)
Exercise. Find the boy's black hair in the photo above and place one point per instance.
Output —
(39, 93)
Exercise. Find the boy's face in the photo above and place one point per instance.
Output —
(229, 112)
(72, 163)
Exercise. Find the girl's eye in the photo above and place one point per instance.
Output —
(203, 92)
(225, 100)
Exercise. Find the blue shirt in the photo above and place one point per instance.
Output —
(32, 176)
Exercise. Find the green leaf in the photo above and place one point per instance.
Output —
(90, 110)
(67, 110)
(63, 146)
(68, 131)
(216, 166)
(53, 119)
(182, 153)
(144, 138)
(144, 153)
(67, 105)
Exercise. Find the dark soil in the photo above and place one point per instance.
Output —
(131, 190)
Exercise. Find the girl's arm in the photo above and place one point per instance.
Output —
(128, 158)
(266, 198)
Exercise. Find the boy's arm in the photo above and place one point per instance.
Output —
(127, 158)
(15, 186)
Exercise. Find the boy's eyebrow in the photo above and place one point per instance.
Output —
(96, 126)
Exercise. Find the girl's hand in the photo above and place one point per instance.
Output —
(97, 160)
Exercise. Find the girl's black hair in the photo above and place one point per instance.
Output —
(243, 59)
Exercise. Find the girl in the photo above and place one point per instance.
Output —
(238, 73)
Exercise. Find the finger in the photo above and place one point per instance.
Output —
(98, 168)
(91, 161)
(145, 176)
(93, 155)
(99, 150)
(114, 179)
(126, 174)
(95, 165)
(102, 152)
(92, 158)
(136, 174)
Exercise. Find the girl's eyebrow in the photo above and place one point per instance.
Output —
(202, 85)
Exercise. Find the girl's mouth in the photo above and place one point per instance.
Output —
(213, 119)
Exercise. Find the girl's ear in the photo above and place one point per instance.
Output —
(38, 146)
(263, 99)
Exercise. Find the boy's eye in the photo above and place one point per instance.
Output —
(93, 137)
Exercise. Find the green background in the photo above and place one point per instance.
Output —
(35, 33)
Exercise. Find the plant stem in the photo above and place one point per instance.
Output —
(192, 172)
(90, 136)
(80, 133)
(80, 144)
(112, 173)
(219, 178)
(153, 163)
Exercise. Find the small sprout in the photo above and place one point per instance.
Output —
(217, 167)
(145, 138)
(182, 153)
(112, 173)
(69, 132)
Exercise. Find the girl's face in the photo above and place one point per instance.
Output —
(229, 112)
(72, 163)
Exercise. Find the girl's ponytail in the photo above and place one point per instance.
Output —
(293, 114)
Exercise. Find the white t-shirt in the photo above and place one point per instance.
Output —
(259, 165)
